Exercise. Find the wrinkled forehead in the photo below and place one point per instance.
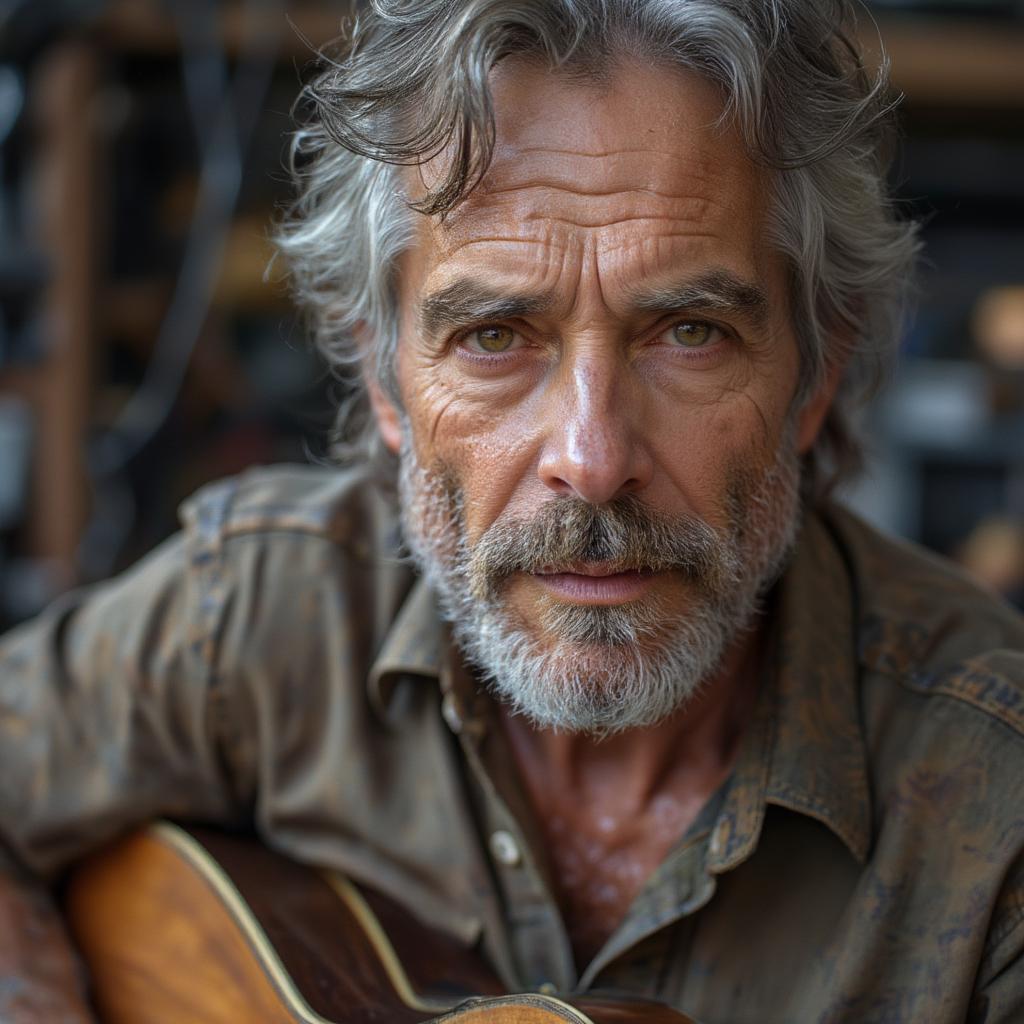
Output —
(640, 128)
(643, 151)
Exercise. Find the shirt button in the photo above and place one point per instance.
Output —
(547, 988)
(716, 842)
(505, 848)
(450, 712)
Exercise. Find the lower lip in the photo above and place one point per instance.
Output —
(615, 589)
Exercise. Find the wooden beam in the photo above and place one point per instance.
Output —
(145, 26)
(952, 63)
(64, 91)
(936, 61)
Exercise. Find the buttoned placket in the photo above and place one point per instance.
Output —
(719, 841)
(682, 885)
(536, 936)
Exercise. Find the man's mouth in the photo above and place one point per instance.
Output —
(595, 583)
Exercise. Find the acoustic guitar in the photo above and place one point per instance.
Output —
(202, 927)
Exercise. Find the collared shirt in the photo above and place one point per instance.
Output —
(279, 663)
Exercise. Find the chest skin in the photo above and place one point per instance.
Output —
(606, 829)
(600, 859)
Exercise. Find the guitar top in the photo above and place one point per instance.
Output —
(204, 927)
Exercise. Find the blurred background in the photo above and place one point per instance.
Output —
(143, 351)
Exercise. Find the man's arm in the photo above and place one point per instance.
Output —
(106, 717)
(105, 722)
(40, 976)
(999, 994)
(1000, 999)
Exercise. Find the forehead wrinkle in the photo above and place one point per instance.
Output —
(596, 154)
(459, 239)
(588, 281)
(661, 173)
(676, 174)
(576, 188)
(532, 257)
(574, 207)
(614, 244)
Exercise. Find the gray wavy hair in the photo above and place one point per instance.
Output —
(410, 80)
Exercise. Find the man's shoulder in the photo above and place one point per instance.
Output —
(941, 704)
(269, 543)
(345, 505)
(925, 626)
(294, 564)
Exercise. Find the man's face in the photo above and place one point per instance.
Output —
(598, 370)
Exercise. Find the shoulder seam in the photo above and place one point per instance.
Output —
(204, 537)
(272, 501)
(917, 685)
(241, 525)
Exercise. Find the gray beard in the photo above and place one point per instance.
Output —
(601, 670)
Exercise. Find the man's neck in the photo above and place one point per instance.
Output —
(630, 767)
(611, 808)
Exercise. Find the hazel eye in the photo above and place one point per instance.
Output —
(692, 333)
(494, 339)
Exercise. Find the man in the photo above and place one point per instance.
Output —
(613, 273)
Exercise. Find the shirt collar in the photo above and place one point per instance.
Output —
(805, 750)
(413, 646)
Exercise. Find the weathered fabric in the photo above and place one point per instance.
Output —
(277, 662)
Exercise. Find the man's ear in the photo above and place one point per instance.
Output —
(813, 412)
(385, 412)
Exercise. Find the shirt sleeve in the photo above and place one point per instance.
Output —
(105, 714)
(999, 992)
(1000, 998)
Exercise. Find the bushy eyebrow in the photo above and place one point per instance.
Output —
(466, 302)
(717, 291)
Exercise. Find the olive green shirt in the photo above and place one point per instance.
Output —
(278, 663)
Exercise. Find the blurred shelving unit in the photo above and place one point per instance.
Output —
(948, 436)
(100, 174)
(951, 63)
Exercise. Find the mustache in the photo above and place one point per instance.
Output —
(622, 535)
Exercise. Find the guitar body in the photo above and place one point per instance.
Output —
(205, 928)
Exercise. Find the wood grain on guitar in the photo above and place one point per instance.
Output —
(213, 929)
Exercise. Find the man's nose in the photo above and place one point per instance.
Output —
(593, 449)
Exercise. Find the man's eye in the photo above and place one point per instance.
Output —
(692, 333)
(490, 339)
